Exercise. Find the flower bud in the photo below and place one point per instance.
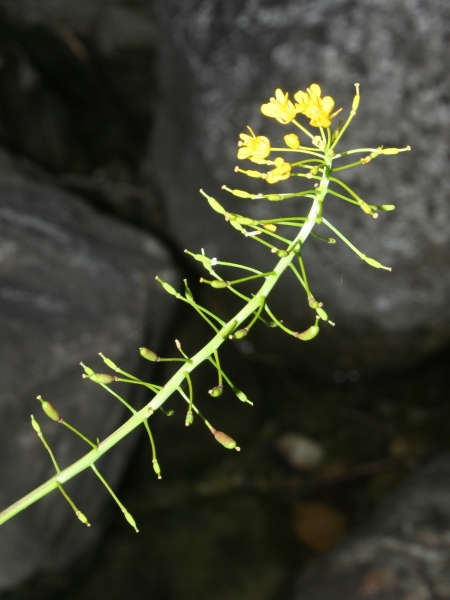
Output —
(218, 284)
(149, 354)
(216, 391)
(225, 440)
(270, 227)
(102, 378)
(189, 418)
(292, 141)
(156, 468)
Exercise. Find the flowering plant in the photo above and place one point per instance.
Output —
(283, 236)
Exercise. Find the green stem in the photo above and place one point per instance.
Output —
(89, 459)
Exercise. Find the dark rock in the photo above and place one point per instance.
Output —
(72, 283)
(404, 553)
(221, 59)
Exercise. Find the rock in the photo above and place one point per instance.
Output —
(403, 553)
(73, 282)
(220, 60)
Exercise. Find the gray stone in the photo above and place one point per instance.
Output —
(403, 554)
(221, 59)
(73, 282)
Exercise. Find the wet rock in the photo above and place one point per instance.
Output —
(73, 282)
(220, 60)
(403, 553)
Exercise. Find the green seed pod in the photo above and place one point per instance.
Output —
(225, 440)
(313, 302)
(374, 263)
(187, 291)
(245, 220)
(229, 329)
(240, 333)
(169, 289)
(309, 334)
(255, 174)
(102, 378)
(322, 314)
(216, 391)
(282, 253)
(215, 205)
(87, 370)
(271, 324)
(149, 354)
(189, 418)
(236, 225)
(242, 397)
(389, 151)
(218, 284)
(201, 258)
(385, 207)
(241, 194)
(109, 363)
(35, 424)
(130, 520)
(82, 518)
(156, 468)
(274, 197)
(50, 410)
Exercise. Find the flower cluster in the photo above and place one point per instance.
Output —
(309, 103)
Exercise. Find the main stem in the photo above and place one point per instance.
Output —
(171, 386)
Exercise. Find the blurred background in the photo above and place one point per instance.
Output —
(113, 113)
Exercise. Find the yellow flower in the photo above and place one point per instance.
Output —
(292, 140)
(280, 108)
(282, 171)
(253, 146)
(314, 107)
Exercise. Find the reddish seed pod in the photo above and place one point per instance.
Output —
(225, 440)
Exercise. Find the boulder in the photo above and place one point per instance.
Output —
(73, 282)
(219, 60)
(403, 553)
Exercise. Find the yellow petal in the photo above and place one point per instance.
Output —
(327, 104)
(315, 89)
(279, 96)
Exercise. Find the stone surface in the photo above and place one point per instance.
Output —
(73, 282)
(221, 59)
(403, 554)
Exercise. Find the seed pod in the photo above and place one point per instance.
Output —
(274, 197)
(225, 440)
(35, 424)
(385, 207)
(241, 194)
(169, 289)
(215, 205)
(156, 468)
(229, 329)
(82, 518)
(282, 253)
(240, 333)
(216, 391)
(187, 291)
(309, 334)
(102, 378)
(108, 362)
(50, 410)
(149, 354)
(313, 302)
(389, 151)
(356, 99)
(374, 263)
(130, 520)
(256, 174)
(189, 418)
(322, 314)
(218, 284)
